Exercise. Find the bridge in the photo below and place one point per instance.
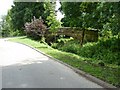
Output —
(83, 35)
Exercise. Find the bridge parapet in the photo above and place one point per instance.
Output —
(84, 35)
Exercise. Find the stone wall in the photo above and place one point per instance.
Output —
(77, 33)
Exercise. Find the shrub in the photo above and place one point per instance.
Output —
(71, 46)
(88, 50)
(55, 45)
(36, 28)
(105, 50)
(60, 42)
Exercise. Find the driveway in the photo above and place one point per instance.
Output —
(23, 67)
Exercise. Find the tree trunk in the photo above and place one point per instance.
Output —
(83, 34)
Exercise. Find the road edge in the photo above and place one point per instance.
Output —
(80, 72)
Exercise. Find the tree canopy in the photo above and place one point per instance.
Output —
(98, 15)
(23, 12)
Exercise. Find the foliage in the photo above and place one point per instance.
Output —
(6, 29)
(93, 15)
(105, 50)
(110, 75)
(22, 12)
(60, 42)
(71, 46)
(78, 14)
(52, 22)
(35, 28)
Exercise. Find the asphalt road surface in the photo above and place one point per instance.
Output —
(23, 67)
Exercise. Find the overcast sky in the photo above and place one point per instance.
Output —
(5, 5)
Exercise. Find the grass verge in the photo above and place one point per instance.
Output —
(110, 75)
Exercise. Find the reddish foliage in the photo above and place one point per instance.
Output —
(36, 27)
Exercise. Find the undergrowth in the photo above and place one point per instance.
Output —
(99, 68)
(106, 51)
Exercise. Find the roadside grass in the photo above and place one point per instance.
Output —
(110, 75)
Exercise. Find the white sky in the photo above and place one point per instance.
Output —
(5, 5)
(59, 14)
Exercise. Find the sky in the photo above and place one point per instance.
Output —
(59, 14)
(5, 5)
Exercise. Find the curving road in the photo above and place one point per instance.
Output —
(23, 67)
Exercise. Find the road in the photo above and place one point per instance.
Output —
(23, 67)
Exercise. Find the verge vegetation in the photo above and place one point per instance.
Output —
(91, 63)
(100, 59)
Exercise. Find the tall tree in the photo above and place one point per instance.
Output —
(4, 27)
(92, 14)
(23, 12)
(51, 17)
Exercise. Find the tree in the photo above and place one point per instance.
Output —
(51, 20)
(113, 14)
(80, 14)
(4, 27)
(92, 15)
(23, 12)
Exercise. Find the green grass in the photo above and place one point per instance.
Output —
(110, 75)
(105, 51)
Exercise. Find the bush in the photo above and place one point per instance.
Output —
(88, 50)
(36, 28)
(71, 46)
(105, 50)
(60, 42)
